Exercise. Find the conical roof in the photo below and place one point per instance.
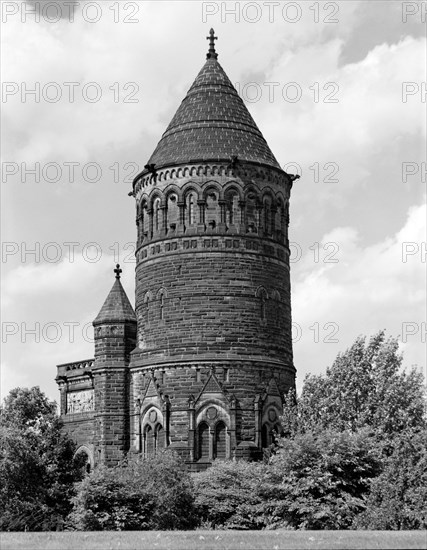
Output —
(116, 306)
(212, 124)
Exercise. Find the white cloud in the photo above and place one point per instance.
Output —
(370, 288)
(47, 317)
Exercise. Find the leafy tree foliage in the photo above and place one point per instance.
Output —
(37, 468)
(364, 393)
(142, 494)
(365, 387)
(398, 497)
(325, 478)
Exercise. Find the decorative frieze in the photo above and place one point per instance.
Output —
(80, 401)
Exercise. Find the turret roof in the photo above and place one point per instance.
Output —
(117, 306)
(212, 124)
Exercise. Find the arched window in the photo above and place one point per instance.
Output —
(191, 209)
(203, 441)
(232, 212)
(149, 441)
(145, 220)
(220, 440)
(263, 301)
(156, 214)
(160, 437)
(251, 214)
(267, 216)
(265, 436)
(162, 306)
(212, 213)
(172, 212)
(147, 309)
(82, 459)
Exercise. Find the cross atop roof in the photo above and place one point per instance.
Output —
(212, 53)
(117, 271)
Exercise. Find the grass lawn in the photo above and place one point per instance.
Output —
(215, 540)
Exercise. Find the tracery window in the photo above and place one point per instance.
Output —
(153, 434)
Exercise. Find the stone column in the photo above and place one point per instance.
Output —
(257, 414)
(191, 427)
(233, 441)
(211, 444)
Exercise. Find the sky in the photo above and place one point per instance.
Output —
(338, 91)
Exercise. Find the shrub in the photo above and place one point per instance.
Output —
(142, 494)
(236, 495)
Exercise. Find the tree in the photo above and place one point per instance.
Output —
(398, 497)
(37, 466)
(139, 494)
(364, 394)
(365, 387)
(324, 477)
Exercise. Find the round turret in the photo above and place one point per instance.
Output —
(214, 345)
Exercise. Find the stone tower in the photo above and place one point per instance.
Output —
(205, 364)
(214, 351)
(115, 337)
(95, 392)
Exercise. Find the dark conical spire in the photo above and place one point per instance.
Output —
(117, 306)
(212, 124)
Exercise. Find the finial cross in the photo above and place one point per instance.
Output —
(212, 53)
(117, 271)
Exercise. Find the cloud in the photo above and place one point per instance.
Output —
(47, 316)
(367, 289)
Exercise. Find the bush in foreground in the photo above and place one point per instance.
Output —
(314, 481)
(236, 495)
(141, 494)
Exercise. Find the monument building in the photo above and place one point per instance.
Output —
(202, 364)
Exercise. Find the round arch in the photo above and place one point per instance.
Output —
(84, 451)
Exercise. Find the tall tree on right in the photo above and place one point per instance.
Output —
(365, 394)
(364, 388)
